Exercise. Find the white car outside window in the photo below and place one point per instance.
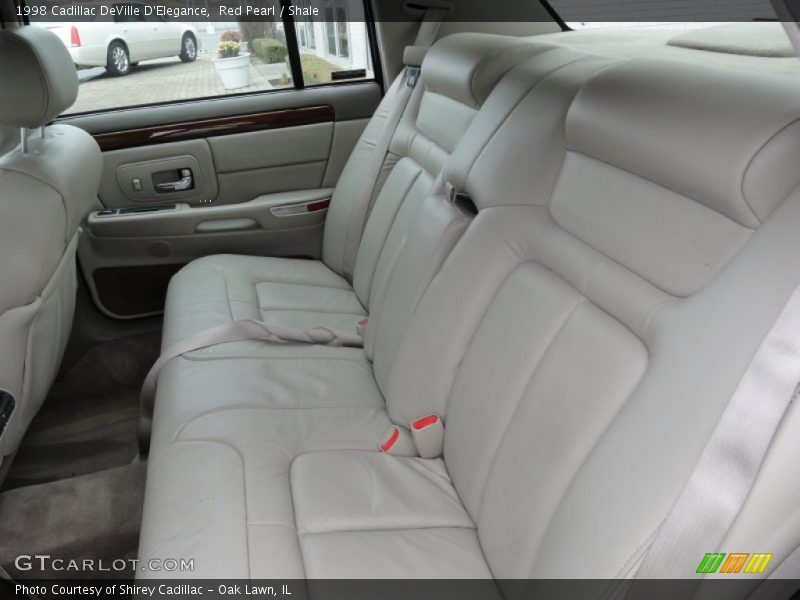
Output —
(121, 43)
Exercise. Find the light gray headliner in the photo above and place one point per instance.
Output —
(652, 43)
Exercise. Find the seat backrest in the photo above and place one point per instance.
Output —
(605, 316)
(435, 224)
(457, 74)
(45, 192)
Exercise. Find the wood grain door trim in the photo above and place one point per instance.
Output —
(161, 134)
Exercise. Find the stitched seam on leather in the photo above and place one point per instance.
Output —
(520, 49)
(655, 183)
(660, 185)
(237, 408)
(630, 270)
(556, 334)
(290, 477)
(228, 296)
(223, 271)
(601, 435)
(417, 132)
(389, 229)
(196, 356)
(311, 285)
(320, 311)
(386, 529)
(638, 553)
(244, 483)
(444, 247)
(508, 115)
(750, 164)
(472, 333)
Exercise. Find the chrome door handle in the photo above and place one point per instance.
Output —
(184, 183)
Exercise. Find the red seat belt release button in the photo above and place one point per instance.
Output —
(361, 327)
(397, 441)
(428, 434)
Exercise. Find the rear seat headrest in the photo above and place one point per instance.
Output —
(466, 66)
(711, 134)
(45, 82)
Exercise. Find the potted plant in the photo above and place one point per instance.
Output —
(232, 65)
(233, 35)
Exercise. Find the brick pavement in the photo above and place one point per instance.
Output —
(167, 80)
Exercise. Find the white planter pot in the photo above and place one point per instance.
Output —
(234, 71)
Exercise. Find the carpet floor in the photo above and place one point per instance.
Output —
(89, 422)
(92, 517)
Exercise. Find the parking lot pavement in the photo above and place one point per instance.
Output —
(166, 80)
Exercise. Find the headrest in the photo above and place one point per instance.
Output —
(714, 135)
(466, 66)
(39, 78)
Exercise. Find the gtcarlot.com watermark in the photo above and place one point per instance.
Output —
(44, 562)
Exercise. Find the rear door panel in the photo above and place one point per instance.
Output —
(247, 155)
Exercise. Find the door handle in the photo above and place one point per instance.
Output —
(184, 183)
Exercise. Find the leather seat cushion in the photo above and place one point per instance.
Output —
(300, 377)
(223, 487)
(365, 514)
(287, 493)
(289, 292)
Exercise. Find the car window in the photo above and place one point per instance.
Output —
(128, 54)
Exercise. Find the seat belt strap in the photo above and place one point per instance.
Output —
(431, 21)
(239, 331)
(723, 477)
(399, 93)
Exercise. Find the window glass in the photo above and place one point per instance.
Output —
(131, 56)
(345, 53)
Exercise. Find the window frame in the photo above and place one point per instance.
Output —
(293, 50)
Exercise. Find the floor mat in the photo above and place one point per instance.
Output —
(92, 517)
(89, 421)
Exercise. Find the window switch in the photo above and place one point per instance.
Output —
(136, 184)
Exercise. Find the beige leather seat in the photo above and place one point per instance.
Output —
(580, 342)
(46, 189)
(339, 291)
(300, 376)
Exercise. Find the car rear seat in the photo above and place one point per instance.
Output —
(256, 373)
(337, 291)
(580, 342)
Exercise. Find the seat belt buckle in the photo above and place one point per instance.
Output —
(397, 441)
(428, 436)
(361, 327)
(412, 76)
